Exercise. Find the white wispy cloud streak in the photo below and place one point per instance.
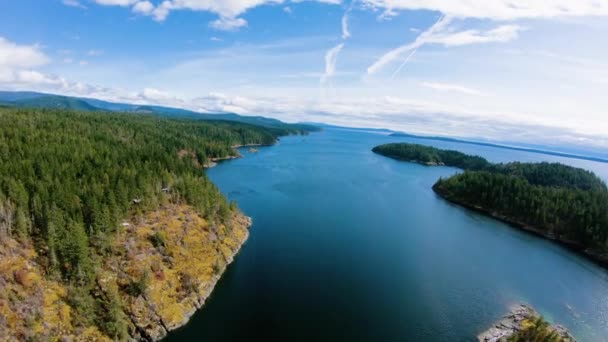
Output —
(412, 47)
(73, 3)
(331, 58)
(451, 87)
(498, 9)
(345, 31)
(439, 33)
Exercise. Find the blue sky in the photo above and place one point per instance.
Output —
(532, 71)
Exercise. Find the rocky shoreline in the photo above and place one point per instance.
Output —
(182, 268)
(205, 290)
(212, 162)
(518, 320)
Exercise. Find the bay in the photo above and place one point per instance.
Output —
(348, 245)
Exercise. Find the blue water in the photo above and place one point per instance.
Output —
(348, 245)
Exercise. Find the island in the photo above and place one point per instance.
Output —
(109, 227)
(565, 204)
(524, 324)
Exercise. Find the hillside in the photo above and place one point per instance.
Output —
(41, 100)
(109, 227)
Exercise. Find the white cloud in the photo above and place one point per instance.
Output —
(94, 53)
(287, 10)
(345, 31)
(501, 34)
(156, 95)
(331, 58)
(73, 3)
(439, 33)
(227, 10)
(451, 87)
(499, 9)
(20, 56)
(123, 3)
(228, 24)
(143, 7)
(412, 47)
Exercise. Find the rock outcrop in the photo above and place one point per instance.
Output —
(162, 267)
(520, 319)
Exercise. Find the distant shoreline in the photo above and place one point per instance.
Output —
(506, 147)
(214, 161)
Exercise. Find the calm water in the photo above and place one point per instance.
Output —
(351, 246)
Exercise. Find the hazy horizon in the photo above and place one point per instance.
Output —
(532, 73)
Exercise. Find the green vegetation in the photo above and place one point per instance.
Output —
(68, 179)
(560, 202)
(40, 100)
(537, 329)
(564, 212)
(431, 156)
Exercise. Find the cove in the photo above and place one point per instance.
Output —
(352, 246)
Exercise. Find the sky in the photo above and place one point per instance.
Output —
(531, 71)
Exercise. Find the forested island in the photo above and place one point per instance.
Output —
(109, 228)
(559, 202)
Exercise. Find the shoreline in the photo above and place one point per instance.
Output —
(593, 255)
(213, 162)
(517, 321)
(207, 289)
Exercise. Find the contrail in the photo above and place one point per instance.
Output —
(421, 40)
(407, 59)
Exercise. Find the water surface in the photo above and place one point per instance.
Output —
(348, 245)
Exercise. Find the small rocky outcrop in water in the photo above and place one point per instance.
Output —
(523, 323)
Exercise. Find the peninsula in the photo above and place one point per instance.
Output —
(109, 227)
(565, 204)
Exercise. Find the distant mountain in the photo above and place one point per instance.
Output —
(11, 96)
(42, 100)
(55, 102)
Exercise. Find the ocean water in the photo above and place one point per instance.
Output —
(348, 245)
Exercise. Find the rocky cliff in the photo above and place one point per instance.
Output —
(160, 269)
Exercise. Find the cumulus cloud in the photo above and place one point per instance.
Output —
(20, 56)
(498, 9)
(144, 8)
(228, 11)
(228, 24)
